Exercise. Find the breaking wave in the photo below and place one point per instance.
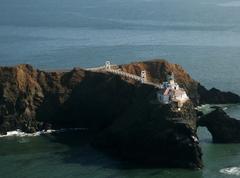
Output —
(231, 171)
(19, 133)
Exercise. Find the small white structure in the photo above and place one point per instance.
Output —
(108, 65)
(143, 76)
(171, 92)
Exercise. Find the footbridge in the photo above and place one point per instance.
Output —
(108, 67)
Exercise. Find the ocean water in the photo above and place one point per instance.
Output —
(203, 36)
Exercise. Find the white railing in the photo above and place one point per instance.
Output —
(124, 74)
(110, 68)
(95, 68)
(153, 84)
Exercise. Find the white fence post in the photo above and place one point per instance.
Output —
(143, 76)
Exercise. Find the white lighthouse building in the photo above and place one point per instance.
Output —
(171, 92)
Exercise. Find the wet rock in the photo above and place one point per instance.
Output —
(46, 126)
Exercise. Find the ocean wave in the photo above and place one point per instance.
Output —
(207, 108)
(19, 133)
(231, 171)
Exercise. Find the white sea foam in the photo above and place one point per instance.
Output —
(19, 133)
(207, 108)
(231, 171)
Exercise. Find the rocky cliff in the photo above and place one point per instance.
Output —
(154, 135)
(124, 114)
(223, 128)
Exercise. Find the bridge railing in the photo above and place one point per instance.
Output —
(110, 68)
(125, 74)
(95, 68)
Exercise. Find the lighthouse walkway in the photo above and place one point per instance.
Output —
(115, 70)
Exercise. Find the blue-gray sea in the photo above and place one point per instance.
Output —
(203, 36)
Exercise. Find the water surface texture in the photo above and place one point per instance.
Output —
(203, 36)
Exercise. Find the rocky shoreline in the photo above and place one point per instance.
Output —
(122, 113)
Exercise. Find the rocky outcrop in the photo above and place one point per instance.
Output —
(123, 114)
(154, 135)
(33, 99)
(223, 128)
(118, 111)
(215, 96)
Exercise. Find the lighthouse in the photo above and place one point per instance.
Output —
(171, 79)
(171, 92)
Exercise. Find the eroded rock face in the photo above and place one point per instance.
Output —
(32, 99)
(154, 135)
(18, 99)
(223, 128)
